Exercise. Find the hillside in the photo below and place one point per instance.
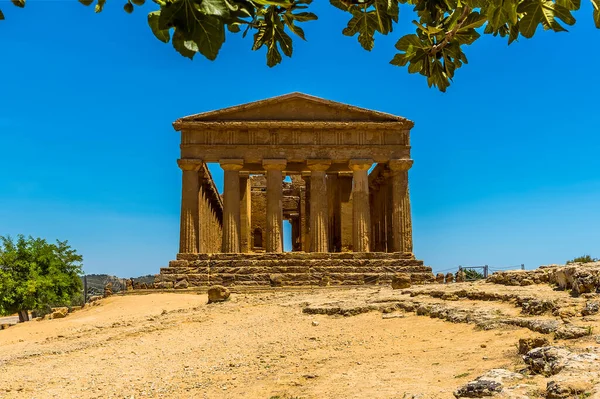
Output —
(368, 342)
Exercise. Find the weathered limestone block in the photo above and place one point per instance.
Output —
(401, 280)
(182, 284)
(129, 284)
(527, 344)
(439, 278)
(460, 276)
(108, 290)
(59, 313)
(449, 278)
(218, 293)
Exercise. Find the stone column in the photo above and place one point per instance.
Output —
(231, 205)
(188, 228)
(345, 187)
(245, 213)
(306, 214)
(319, 225)
(401, 217)
(274, 168)
(361, 213)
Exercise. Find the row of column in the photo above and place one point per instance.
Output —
(200, 226)
(318, 210)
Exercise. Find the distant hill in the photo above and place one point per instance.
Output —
(97, 282)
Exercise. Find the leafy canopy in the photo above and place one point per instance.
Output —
(35, 274)
(435, 50)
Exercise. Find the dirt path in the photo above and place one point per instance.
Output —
(255, 346)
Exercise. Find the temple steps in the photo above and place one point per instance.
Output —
(293, 269)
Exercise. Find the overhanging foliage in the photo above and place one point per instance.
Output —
(435, 50)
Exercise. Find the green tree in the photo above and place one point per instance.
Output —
(472, 274)
(582, 259)
(35, 274)
(435, 50)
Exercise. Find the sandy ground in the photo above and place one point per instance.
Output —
(257, 345)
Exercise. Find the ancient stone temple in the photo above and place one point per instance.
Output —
(337, 173)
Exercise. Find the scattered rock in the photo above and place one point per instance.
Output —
(94, 298)
(460, 277)
(546, 360)
(478, 389)
(181, 284)
(315, 323)
(218, 293)
(401, 280)
(449, 278)
(571, 388)
(527, 344)
(526, 282)
(129, 284)
(59, 313)
(487, 384)
(164, 285)
(590, 308)
(572, 332)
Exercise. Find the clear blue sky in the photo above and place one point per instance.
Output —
(507, 165)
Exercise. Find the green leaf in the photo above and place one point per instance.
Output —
(304, 16)
(233, 28)
(100, 6)
(570, 4)
(290, 24)
(209, 36)
(179, 45)
(19, 3)
(86, 2)
(365, 24)
(161, 34)
(273, 56)
(128, 7)
(339, 4)
(596, 4)
(138, 2)
(1, 15)
(473, 21)
(543, 12)
(214, 7)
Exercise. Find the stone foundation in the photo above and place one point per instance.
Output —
(293, 269)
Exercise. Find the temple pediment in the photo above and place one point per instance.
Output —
(294, 107)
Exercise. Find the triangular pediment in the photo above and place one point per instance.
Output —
(294, 107)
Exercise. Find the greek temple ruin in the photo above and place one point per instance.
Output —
(337, 173)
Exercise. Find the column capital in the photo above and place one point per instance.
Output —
(400, 165)
(189, 164)
(231, 164)
(360, 164)
(318, 164)
(274, 164)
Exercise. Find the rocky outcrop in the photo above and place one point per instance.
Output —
(489, 384)
(580, 278)
(527, 344)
